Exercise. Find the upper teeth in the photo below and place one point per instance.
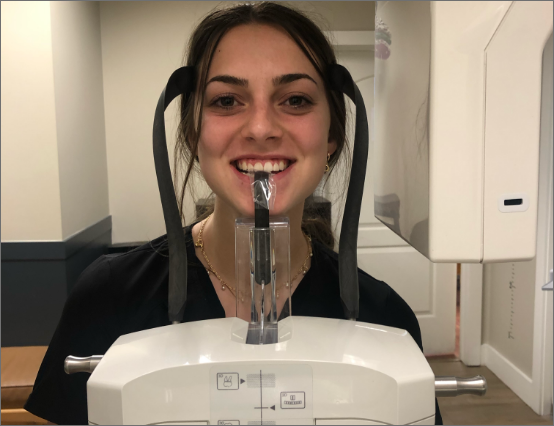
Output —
(267, 166)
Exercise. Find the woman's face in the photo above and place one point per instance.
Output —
(264, 106)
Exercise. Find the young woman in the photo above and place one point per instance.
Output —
(261, 101)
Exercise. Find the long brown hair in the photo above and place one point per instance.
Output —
(201, 48)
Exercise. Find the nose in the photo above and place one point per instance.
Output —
(262, 124)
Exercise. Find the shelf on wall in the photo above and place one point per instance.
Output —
(352, 40)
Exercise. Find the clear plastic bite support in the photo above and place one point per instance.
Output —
(262, 304)
(262, 266)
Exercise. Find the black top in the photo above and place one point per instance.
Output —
(124, 293)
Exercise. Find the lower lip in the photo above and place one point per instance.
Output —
(276, 177)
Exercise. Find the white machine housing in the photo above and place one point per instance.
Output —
(457, 126)
(330, 372)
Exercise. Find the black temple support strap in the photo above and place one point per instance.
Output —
(341, 80)
(180, 82)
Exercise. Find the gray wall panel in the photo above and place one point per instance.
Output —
(38, 276)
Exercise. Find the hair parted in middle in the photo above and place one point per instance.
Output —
(202, 45)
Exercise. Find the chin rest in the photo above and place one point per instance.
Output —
(20, 366)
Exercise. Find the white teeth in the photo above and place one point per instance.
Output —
(268, 166)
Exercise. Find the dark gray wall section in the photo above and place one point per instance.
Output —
(38, 276)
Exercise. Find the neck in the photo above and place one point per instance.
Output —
(219, 237)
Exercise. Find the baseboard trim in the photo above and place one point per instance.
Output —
(55, 250)
(519, 382)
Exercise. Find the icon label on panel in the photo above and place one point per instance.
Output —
(262, 394)
(227, 381)
(293, 400)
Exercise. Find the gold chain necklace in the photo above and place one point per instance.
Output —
(200, 244)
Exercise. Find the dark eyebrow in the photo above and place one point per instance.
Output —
(229, 79)
(277, 81)
(289, 78)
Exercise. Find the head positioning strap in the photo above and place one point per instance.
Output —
(180, 82)
(340, 80)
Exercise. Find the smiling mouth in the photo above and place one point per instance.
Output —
(246, 166)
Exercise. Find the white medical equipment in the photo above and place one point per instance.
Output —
(456, 178)
(457, 126)
(322, 370)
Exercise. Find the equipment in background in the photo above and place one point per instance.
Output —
(457, 126)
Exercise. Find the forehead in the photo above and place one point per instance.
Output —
(256, 50)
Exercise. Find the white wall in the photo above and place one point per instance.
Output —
(79, 97)
(31, 207)
(54, 174)
(508, 304)
(142, 44)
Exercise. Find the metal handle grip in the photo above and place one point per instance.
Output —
(75, 364)
(454, 386)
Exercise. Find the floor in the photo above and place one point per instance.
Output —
(500, 406)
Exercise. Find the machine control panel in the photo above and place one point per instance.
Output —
(261, 394)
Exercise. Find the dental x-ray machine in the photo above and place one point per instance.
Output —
(456, 177)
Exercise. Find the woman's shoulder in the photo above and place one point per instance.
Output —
(327, 260)
(114, 295)
(139, 263)
(130, 282)
(155, 249)
(117, 284)
(101, 272)
(379, 302)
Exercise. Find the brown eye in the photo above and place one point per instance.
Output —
(298, 102)
(226, 101)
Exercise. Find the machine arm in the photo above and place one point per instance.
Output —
(75, 364)
(454, 386)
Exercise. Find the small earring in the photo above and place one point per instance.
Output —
(327, 165)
